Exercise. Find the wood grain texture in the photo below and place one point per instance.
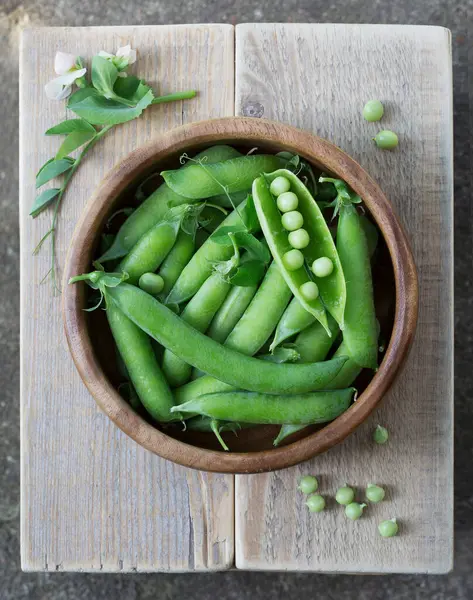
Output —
(318, 77)
(92, 499)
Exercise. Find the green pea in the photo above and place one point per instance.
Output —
(287, 201)
(387, 140)
(293, 260)
(345, 495)
(151, 283)
(280, 186)
(388, 528)
(380, 435)
(299, 239)
(373, 110)
(354, 510)
(315, 503)
(308, 484)
(309, 290)
(292, 220)
(322, 267)
(374, 493)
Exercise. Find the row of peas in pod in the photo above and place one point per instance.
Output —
(236, 299)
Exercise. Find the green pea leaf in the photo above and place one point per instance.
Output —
(74, 140)
(70, 125)
(90, 105)
(104, 76)
(248, 273)
(220, 235)
(53, 168)
(131, 88)
(249, 216)
(43, 201)
(256, 249)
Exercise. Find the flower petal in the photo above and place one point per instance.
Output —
(70, 77)
(64, 62)
(55, 90)
(127, 52)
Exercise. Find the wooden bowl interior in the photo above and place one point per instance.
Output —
(258, 438)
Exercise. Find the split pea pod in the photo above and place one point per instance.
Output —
(296, 319)
(153, 209)
(207, 180)
(250, 407)
(153, 247)
(176, 260)
(199, 312)
(360, 334)
(278, 242)
(221, 362)
(317, 242)
(200, 265)
(141, 365)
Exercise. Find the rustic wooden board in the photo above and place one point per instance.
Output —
(91, 498)
(318, 77)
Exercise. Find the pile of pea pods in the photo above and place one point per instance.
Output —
(240, 293)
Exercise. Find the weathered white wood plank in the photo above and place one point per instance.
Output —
(318, 77)
(91, 498)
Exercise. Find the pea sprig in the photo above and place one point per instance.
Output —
(110, 97)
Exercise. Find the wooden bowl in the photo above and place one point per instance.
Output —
(90, 341)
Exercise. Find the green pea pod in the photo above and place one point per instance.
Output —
(140, 362)
(198, 387)
(360, 333)
(201, 264)
(260, 318)
(205, 354)
(277, 238)
(231, 311)
(176, 260)
(153, 209)
(199, 312)
(248, 407)
(295, 319)
(332, 288)
(150, 251)
(207, 180)
(372, 234)
(313, 343)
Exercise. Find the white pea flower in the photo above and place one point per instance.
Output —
(124, 57)
(69, 69)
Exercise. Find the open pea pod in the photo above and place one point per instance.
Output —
(332, 288)
(277, 239)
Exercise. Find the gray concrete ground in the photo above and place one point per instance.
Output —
(14, 14)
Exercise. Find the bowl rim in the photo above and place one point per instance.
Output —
(228, 130)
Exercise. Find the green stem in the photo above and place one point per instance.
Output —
(176, 96)
(57, 205)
